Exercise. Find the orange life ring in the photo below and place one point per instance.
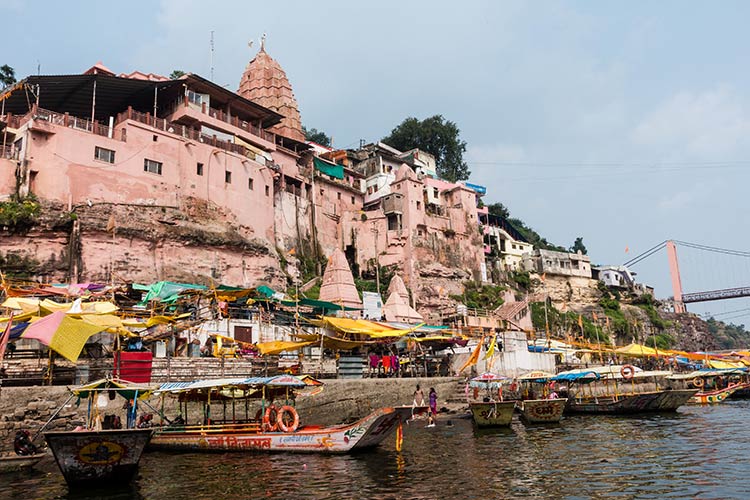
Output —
(627, 372)
(270, 423)
(286, 409)
(698, 383)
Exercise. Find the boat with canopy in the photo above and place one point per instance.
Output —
(535, 410)
(713, 385)
(618, 390)
(259, 414)
(491, 411)
(101, 452)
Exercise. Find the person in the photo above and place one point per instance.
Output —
(374, 363)
(418, 397)
(552, 395)
(433, 402)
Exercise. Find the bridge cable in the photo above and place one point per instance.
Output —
(646, 254)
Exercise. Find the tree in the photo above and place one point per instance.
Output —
(578, 245)
(316, 135)
(7, 76)
(499, 210)
(175, 74)
(437, 136)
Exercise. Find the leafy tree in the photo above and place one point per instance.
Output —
(578, 245)
(316, 135)
(174, 75)
(499, 210)
(7, 76)
(437, 136)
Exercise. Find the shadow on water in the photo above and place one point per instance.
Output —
(697, 452)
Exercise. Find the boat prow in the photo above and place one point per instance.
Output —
(103, 457)
(542, 411)
(492, 413)
(14, 463)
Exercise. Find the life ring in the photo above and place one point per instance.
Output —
(627, 372)
(698, 383)
(270, 418)
(284, 410)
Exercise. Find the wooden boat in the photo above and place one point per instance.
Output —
(624, 404)
(492, 413)
(14, 463)
(713, 386)
(621, 396)
(542, 411)
(96, 455)
(263, 434)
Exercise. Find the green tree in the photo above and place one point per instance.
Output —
(7, 76)
(499, 210)
(437, 136)
(174, 75)
(316, 135)
(578, 245)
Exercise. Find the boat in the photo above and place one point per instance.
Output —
(619, 394)
(547, 410)
(275, 428)
(713, 386)
(492, 411)
(15, 463)
(99, 454)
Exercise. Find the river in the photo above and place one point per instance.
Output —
(698, 452)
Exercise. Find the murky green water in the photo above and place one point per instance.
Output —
(698, 452)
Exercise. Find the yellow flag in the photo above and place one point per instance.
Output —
(491, 350)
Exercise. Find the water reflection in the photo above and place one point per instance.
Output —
(698, 452)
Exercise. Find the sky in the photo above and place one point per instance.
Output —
(625, 123)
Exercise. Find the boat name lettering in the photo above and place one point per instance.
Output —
(299, 438)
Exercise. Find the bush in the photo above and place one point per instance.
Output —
(19, 214)
(477, 296)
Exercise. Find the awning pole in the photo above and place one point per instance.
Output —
(93, 105)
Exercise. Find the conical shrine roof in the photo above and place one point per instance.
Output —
(265, 83)
(338, 283)
(397, 306)
(397, 286)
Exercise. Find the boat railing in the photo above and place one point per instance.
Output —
(214, 428)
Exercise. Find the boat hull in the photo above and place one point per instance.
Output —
(98, 457)
(363, 434)
(715, 397)
(13, 463)
(656, 401)
(492, 414)
(542, 411)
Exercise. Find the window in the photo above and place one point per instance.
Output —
(194, 97)
(419, 205)
(338, 195)
(199, 169)
(156, 138)
(268, 191)
(152, 166)
(435, 192)
(228, 177)
(352, 200)
(250, 183)
(103, 154)
(321, 192)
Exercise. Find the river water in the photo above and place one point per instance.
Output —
(698, 452)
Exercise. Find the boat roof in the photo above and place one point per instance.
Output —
(707, 373)
(222, 383)
(123, 388)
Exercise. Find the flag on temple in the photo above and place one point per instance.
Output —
(580, 321)
(399, 436)
(627, 249)
(293, 251)
(63, 334)
(491, 349)
(474, 356)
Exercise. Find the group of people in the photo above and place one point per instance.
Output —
(383, 365)
(432, 398)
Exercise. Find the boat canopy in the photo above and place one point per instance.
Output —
(536, 376)
(577, 376)
(255, 383)
(123, 388)
(707, 373)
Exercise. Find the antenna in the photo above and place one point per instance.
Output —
(212, 55)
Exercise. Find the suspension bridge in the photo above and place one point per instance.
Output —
(740, 259)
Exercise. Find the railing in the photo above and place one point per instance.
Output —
(11, 120)
(66, 120)
(8, 152)
(183, 131)
(220, 115)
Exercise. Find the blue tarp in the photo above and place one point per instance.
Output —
(577, 377)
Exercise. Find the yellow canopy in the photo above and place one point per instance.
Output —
(639, 350)
(278, 346)
(332, 342)
(363, 327)
(715, 363)
(24, 304)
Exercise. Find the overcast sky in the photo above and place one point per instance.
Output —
(625, 123)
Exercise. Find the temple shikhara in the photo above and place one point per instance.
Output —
(144, 178)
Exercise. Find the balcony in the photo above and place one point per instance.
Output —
(183, 112)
